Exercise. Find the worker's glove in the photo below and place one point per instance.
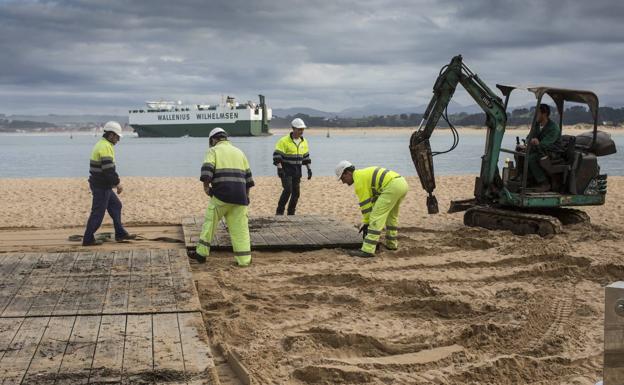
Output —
(280, 172)
(364, 230)
(309, 174)
(208, 190)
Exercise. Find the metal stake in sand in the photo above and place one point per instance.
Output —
(613, 371)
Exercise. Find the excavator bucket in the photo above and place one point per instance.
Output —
(420, 149)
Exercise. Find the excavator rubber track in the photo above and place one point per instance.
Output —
(567, 216)
(519, 223)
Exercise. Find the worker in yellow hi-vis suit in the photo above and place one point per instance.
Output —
(380, 192)
(227, 180)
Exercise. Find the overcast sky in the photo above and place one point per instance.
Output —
(104, 56)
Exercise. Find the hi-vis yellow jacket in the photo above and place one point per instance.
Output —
(102, 171)
(369, 183)
(291, 155)
(227, 170)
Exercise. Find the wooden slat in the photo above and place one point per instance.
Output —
(163, 297)
(116, 301)
(185, 291)
(139, 297)
(269, 236)
(78, 358)
(198, 361)
(109, 351)
(257, 240)
(93, 297)
(8, 328)
(47, 299)
(37, 280)
(75, 285)
(167, 347)
(17, 358)
(16, 279)
(9, 264)
(318, 238)
(138, 349)
(49, 355)
(285, 235)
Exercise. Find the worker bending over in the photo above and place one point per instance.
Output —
(380, 192)
(291, 152)
(227, 179)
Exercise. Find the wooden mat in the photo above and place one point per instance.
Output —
(289, 232)
(116, 317)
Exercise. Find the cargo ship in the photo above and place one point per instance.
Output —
(174, 119)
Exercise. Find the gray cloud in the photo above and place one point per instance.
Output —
(94, 56)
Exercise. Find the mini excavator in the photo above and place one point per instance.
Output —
(505, 200)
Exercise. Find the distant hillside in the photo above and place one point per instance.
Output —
(371, 110)
(69, 119)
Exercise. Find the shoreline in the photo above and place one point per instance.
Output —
(65, 202)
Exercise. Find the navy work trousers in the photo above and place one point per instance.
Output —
(290, 185)
(104, 199)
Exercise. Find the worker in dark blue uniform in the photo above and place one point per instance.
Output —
(102, 179)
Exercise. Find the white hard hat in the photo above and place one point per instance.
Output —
(341, 167)
(297, 123)
(215, 131)
(113, 126)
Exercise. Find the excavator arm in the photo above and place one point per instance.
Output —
(456, 72)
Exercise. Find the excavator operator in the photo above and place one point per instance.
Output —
(544, 139)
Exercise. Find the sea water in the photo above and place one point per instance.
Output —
(62, 155)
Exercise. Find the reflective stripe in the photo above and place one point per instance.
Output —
(391, 228)
(373, 179)
(381, 178)
(364, 202)
(292, 161)
(207, 173)
(391, 237)
(93, 169)
(202, 242)
(241, 253)
(106, 166)
(370, 241)
(374, 232)
(293, 156)
(106, 158)
(221, 179)
(368, 210)
(231, 170)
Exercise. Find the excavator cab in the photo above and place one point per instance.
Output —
(572, 167)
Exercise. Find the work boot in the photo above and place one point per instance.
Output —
(360, 254)
(198, 257)
(95, 242)
(127, 237)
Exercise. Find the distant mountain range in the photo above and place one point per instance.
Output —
(68, 119)
(372, 109)
(351, 112)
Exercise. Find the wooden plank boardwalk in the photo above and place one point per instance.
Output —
(289, 232)
(125, 317)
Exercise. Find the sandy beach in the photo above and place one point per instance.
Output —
(454, 305)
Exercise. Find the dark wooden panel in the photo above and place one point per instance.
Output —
(284, 232)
